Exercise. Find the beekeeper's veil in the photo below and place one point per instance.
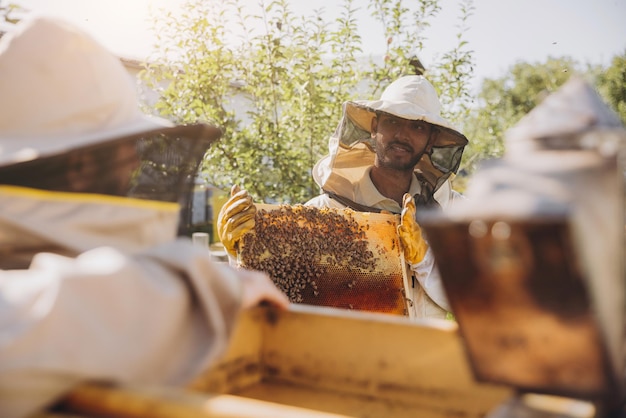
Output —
(351, 147)
(70, 121)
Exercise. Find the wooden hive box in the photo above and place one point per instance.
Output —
(334, 362)
(320, 362)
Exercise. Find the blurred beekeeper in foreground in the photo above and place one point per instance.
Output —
(93, 282)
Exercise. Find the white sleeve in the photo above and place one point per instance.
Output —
(324, 201)
(427, 275)
(157, 317)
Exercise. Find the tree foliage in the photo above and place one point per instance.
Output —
(612, 85)
(8, 11)
(503, 101)
(275, 82)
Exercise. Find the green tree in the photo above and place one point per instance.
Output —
(275, 82)
(404, 30)
(455, 70)
(502, 102)
(611, 85)
(8, 11)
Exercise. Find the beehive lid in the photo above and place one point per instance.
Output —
(329, 257)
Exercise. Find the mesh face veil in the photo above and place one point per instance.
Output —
(70, 121)
(159, 165)
(351, 147)
(435, 167)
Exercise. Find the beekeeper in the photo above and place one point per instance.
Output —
(394, 154)
(94, 284)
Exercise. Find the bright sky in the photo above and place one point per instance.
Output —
(501, 32)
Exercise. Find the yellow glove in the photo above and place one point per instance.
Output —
(235, 219)
(413, 244)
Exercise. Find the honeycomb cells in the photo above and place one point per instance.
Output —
(328, 257)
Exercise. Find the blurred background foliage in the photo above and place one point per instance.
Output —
(277, 92)
(275, 83)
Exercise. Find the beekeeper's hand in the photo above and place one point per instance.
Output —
(235, 219)
(413, 244)
(258, 287)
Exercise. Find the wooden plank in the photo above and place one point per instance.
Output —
(317, 362)
(384, 357)
(126, 401)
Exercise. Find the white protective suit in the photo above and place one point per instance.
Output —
(92, 286)
(145, 309)
(427, 287)
(345, 172)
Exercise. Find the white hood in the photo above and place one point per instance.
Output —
(351, 149)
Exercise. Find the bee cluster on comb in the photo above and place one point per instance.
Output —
(325, 257)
